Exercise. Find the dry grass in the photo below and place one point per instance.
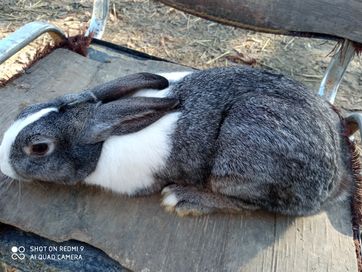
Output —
(156, 29)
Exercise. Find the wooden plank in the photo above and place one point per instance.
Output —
(328, 17)
(137, 232)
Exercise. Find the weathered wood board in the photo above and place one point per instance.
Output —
(333, 17)
(137, 232)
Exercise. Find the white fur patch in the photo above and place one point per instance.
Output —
(170, 200)
(128, 162)
(10, 136)
(153, 93)
(173, 77)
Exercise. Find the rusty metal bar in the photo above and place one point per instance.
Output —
(355, 123)
(26, 34)
(335, 71)
(99, 18)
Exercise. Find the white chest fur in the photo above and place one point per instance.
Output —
(128, 163)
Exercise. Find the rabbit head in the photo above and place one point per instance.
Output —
(61, 140)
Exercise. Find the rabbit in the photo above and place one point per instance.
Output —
(218, 140)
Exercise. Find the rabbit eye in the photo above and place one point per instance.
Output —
(39, 149)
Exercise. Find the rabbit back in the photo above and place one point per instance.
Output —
(279, 160)
(260, 137)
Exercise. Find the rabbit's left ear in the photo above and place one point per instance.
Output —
(125, 116)
(116, 89)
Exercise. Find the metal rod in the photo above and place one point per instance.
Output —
(26, 34)
(356, 119)
(335, 71)
(99, 18)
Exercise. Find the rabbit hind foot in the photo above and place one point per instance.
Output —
(191, 201)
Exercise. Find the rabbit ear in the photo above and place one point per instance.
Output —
(117, 88)
(125, 116)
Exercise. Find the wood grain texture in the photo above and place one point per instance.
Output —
(328, 17)
(137, 232)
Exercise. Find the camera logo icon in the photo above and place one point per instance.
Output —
(18, 253)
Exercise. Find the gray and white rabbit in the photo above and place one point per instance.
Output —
(224, 139)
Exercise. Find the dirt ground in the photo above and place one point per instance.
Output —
(151, 27)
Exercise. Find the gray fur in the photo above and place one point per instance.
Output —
(71, 161)
(246, 139)
(82, 123)
(124, 116)
(259, 138)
